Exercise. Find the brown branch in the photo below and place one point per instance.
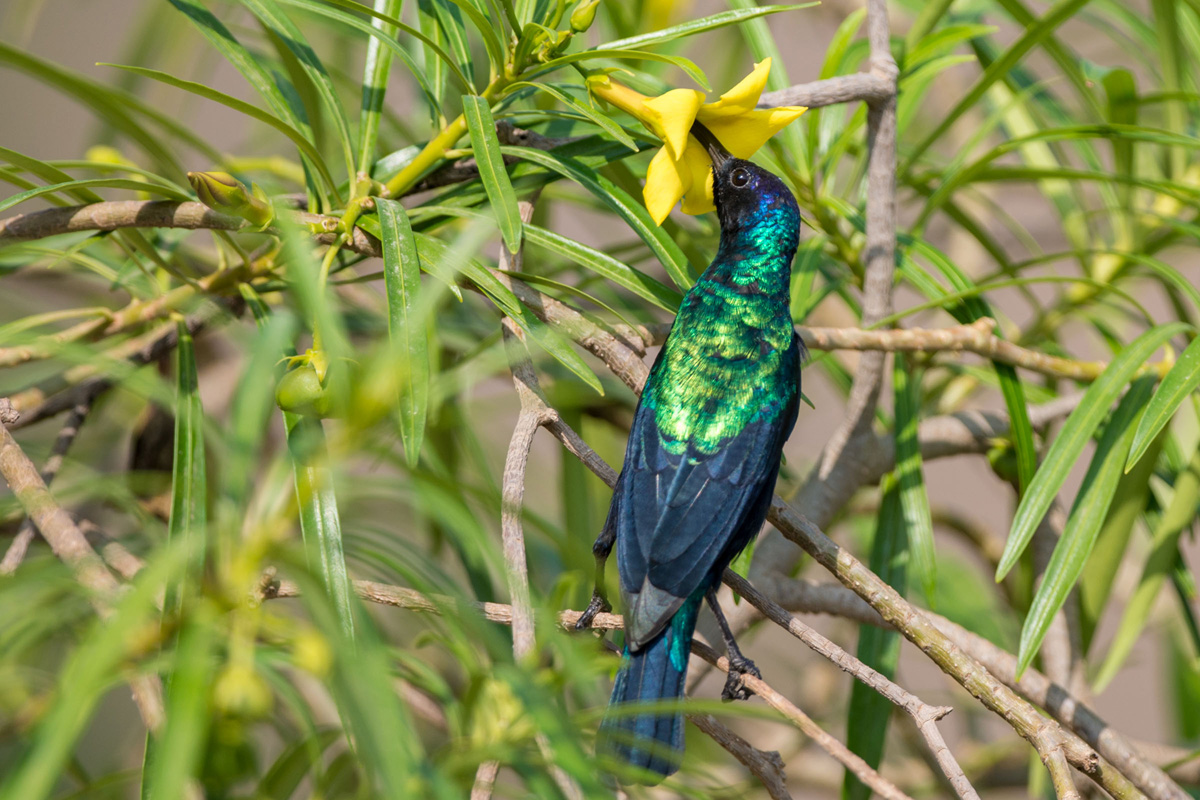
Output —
(81, 384)
(66, 436)
(924, 715)
(69, 544)
(497, 612)
(485, 780)
(831, 91)
(861, 769)
(768, 767)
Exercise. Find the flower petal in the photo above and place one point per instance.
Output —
(744, 134)
(665, 184)
(619, 95)
(743, 97)
(670, 117)
(698, 166)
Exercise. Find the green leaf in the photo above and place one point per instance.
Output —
(492, 172)
(1129, 502)
(177, 754)
(113, 107)
(1178, 516)
(189, 486)
(322, 8)
(632, 211)
(273, 18)
(429, 43)
(599, 262)
(600, 120)
(1033, 35)
(320, 523)
(240, 58)
(1076, 432)
(376, 67)
(406, 323)
(687, 65)
(914, 502)
(1177, 384)
(487, 31)
(306, 147)
(1083, 525)
(692, 27)
(869, 712)
(90, 183)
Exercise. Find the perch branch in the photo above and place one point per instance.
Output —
(497, 612)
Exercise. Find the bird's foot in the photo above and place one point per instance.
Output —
(597, 605)
(734, 688)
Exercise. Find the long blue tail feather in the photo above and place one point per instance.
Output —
(655, 674)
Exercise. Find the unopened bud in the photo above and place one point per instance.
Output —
(222, 192)
(582, 17)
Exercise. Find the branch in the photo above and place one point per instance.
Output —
(832, 91)
(767, 767)
(66, 436)
(69, 544)
(924, 715)
(81, 384)
(497, 612)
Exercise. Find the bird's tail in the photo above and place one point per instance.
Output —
(652, 740)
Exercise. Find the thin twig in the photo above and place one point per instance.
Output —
(924, 715)
(83, 383)
(66, 436)
(768, 767)
(861, 769)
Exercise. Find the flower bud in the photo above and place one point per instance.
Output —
(222, 192)
(300, 392)
(582, 17)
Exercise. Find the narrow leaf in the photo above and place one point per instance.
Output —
(692, 27)
(90, 183)
(1084, 522)
(1179, 514)
(375, 79)
(406, 326)
(189, 487)
(632, 211)
(492, 172)
(1076, 432)
(320, 523)
(306, 147)
(869, 712)
(911, 482)
(1179, 382)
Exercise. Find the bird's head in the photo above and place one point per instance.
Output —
(746, 195)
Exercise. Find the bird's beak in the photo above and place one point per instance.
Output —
(716, 150)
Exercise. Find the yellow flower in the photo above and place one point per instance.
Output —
(682, 168)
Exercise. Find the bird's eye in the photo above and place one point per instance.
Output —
(739, 177)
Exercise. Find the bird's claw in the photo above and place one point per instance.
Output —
(597, 605)
(734, 688)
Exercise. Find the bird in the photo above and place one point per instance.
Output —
(701, 462)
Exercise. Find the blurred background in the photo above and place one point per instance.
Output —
(436, 526)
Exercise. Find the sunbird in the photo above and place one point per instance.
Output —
(702, 459)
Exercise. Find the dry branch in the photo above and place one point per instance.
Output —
(66, 436)
(69, 544)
